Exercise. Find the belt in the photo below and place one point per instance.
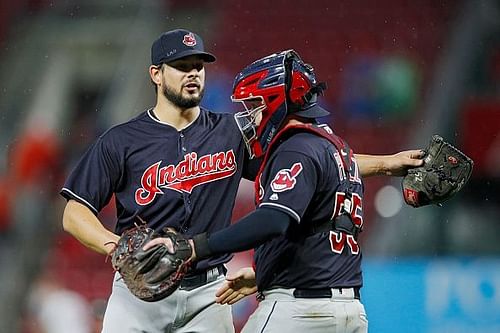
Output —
(325, 292)
(278, 293)
(190, 282)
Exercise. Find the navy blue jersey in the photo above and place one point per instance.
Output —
(186, 179)
(302, 177)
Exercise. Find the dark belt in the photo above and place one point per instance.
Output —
(190, 282)
(321, 293)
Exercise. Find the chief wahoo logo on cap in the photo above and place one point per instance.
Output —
(189, 39)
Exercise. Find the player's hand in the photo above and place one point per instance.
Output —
(160, 241)
(237, 286)
(166, 241)
(399, 163)
(169, 245)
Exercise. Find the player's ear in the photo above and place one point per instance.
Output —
(155, 74)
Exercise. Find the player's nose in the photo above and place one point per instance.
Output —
(193, 73)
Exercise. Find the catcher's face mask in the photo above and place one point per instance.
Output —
(249, 119)
(270, 89)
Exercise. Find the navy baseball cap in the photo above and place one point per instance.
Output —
(176, 44)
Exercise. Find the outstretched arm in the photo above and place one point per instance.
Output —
(249, 232)
(389, 165)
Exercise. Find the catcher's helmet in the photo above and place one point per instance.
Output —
(270, 89)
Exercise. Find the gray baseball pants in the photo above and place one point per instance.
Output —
(183, 311)
(280, 311)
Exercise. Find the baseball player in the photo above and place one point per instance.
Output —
(175, 165)
(309, 196)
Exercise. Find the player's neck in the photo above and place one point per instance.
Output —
(291, 120)
(174, 116)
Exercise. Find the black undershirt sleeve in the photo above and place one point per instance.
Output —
(254, 229)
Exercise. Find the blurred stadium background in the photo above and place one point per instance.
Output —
(398, 71)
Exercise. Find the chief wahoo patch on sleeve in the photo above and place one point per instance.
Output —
(285, 179)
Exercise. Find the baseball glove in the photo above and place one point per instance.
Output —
(153, 274)
(444, 172)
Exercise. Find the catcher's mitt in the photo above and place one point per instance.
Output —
(155, 273)
(444, 172)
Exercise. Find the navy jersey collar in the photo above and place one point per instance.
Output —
(153, 117)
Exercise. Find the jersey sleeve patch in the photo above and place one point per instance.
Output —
(285, 179)
(288, 182)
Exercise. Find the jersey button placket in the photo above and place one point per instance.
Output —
(182, 142)
(182, 147)
(185, 195)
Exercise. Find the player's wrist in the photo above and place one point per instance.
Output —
(109, 246)
(386, 165)
(381, 165)
(201, 247)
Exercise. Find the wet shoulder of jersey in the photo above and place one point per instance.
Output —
(127, 131)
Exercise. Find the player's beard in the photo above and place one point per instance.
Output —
(180, 101)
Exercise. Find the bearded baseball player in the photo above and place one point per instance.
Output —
(177, 166)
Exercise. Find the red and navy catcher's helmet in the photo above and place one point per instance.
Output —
(270, 89)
